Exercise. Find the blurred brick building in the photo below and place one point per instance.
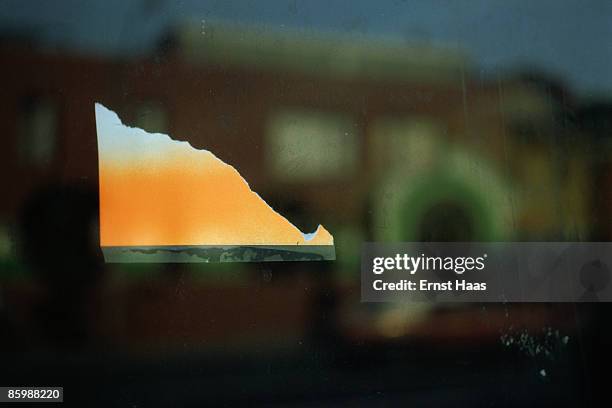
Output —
(377, 140)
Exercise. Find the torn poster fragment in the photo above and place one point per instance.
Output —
(162, 200)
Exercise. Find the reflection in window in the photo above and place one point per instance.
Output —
(6, 243)
(152, 117)
(38, 130)
(309, 145)
(407, 143)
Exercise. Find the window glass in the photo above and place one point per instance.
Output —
(312, 145)
(38, 130)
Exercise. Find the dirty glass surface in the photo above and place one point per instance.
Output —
(384, 121)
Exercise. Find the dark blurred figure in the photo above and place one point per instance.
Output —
(59, 243)
(595, 122)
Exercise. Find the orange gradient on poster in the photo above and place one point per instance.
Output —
(155, 191)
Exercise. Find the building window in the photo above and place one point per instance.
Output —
(311, 145)
(406, 143)
(152, 117)
(38, 125)
(6, 243)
